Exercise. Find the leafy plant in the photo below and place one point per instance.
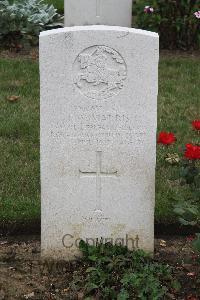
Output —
(114, 272)
(174, 20)
(187, 209)
(188, 213)
(25, 19)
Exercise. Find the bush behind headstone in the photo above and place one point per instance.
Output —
(174, 20)
(25, 19)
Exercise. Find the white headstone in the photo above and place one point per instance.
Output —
(100, 12)
(98, 137)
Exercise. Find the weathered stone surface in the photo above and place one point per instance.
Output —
(98, 136)
(100, 12)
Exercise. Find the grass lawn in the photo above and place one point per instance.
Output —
(19, 140)
(178, 105)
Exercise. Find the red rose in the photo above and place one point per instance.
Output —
(192, 151)
(166, 138)
(196, 124)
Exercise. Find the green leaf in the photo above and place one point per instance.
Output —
(176, 285)
(185, 222)
(179, 210)
(193, 210)
(83, 246)
(93, 258)
(90, 286)
(91, 269)
(123, 295)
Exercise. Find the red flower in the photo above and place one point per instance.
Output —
(166, 138)
(196, 124)
(192, 151)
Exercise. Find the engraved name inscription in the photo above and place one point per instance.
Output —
(93, 126)
(99, 72)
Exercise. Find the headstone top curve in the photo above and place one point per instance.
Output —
(100, 28)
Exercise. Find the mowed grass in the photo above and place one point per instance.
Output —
(178, 105)
(19, 140)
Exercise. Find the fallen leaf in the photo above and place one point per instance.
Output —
(190, 297)
(188, 267)
(18, 46)
(179, 268)
(3, 242)
(2, 295)
(172, 158)
(163, 243)
(80, 296)
(171, 296)
(191, 274)
(16, 83)
(13, 98)
(34, 55)
(28, 296)
(195, 257)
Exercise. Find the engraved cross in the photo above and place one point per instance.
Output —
(98, 174)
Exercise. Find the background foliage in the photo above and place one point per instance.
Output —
(25, 19)
(174, 20)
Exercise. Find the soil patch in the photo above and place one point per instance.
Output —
(32, 53)
(33, 227)
(23, 275)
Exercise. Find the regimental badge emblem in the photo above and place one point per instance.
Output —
(99, 72)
